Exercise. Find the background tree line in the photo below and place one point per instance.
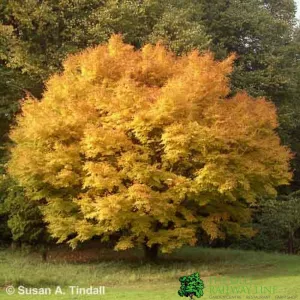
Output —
(36, 36)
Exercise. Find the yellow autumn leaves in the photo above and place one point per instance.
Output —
(146, 144)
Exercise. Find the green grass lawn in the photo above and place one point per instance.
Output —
(227, 274)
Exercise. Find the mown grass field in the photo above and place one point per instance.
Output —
(227, 274)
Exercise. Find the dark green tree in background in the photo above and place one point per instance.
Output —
(259, 32)
(278, 224)
(191, 286)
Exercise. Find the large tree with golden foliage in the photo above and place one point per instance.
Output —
(147, 146)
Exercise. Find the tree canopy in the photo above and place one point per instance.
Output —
(148, 145)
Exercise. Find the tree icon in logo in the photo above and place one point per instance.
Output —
(191, 286)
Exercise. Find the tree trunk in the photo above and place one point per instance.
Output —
(291, 249)
(44, 254)
(15, 245)
(151, 253)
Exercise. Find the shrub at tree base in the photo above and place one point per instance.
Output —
(285, 236)
(147, 145)
(23, 217)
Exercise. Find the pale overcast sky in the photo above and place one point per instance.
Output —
(298, 11)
